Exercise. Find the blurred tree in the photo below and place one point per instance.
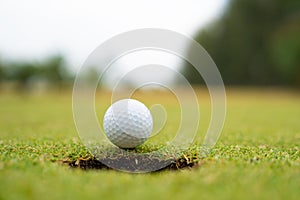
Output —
(285, 50)
(54, 71)
(27, 75)
(2, 72)
(254, 42)
(22, 73)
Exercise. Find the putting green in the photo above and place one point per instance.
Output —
(257, 155)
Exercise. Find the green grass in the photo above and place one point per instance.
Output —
(257, 156)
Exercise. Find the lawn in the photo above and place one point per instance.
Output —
(256, 157)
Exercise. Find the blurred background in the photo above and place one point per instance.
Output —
(253, 43)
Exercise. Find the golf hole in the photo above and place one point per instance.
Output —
(90, 163)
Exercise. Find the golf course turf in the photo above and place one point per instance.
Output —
(256, 157)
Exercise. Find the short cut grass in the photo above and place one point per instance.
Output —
(256, 157)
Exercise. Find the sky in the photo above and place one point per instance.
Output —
(34, 29)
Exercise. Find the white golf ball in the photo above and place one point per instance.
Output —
(127, 123)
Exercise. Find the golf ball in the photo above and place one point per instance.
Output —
(127, 123)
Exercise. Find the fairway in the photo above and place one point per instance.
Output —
(256, 157)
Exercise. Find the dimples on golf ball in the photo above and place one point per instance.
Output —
(127, 123)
